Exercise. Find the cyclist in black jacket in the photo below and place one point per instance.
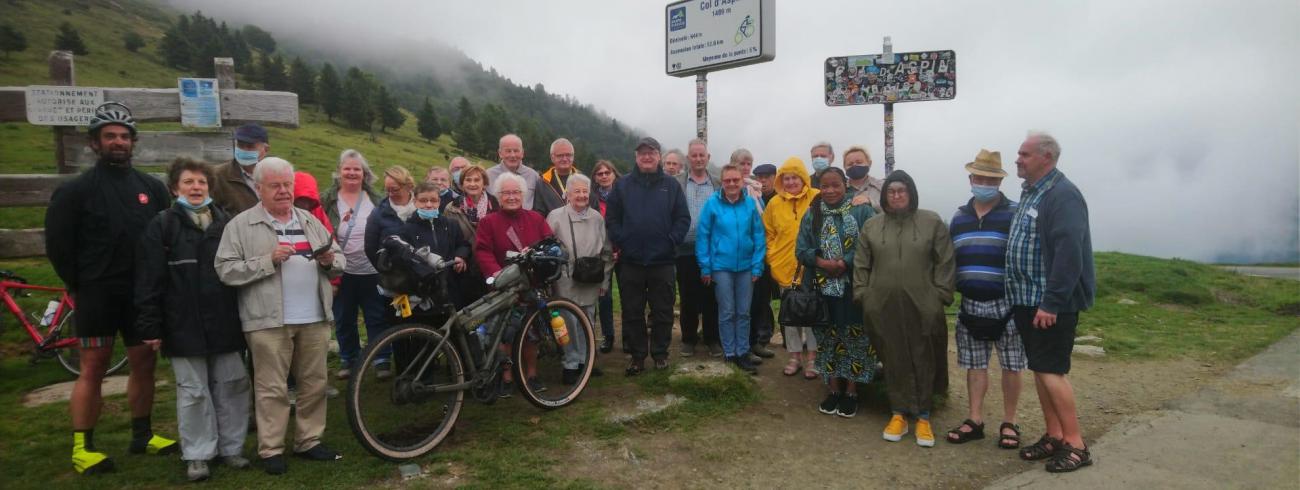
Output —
(91, 228)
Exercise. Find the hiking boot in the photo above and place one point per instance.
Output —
(848, 406)
(319, 453)
(831, 404)
(196, 470)
(154, 445)
(753, 359)
(715, 350)
(743, 363)
(762, 351)
(924, 435)
(688, 350)
(235, 461)
(86, 460)
(896, 429)
(274, 465)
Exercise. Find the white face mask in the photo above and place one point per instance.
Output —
(820, 163)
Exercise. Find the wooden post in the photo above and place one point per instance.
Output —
(62, 72)
(225, 70)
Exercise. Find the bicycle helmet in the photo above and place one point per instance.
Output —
(548, 260)
(112, 113)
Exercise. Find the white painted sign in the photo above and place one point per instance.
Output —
(54, 105)
(711, 35)
(200, 104)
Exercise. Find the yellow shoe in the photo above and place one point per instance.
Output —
(88, 462)
(924, 435)
(156, 445)
(897, 428)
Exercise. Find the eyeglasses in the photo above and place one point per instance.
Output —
(896, 192)
(511, 193)
(604, 172)
(561, 155)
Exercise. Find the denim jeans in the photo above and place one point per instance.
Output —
(734, 291)
(358, 292)
(605, 306)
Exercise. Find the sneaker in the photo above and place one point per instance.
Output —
(507, 389)
(924, 435)
(743, 363)
(236, 461)
(274, 465)
(606, 345)
(896, 429)
(384, 371)
(753, 359)
(831, 404)
(715, 350)
(762, 351)
(155, 445)
(848, 406)
(635, 367)
(319, 453)
(688, 350)
(535, 386)
(661, 363)
(196, 470)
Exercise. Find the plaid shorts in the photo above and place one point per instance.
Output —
(974, 354)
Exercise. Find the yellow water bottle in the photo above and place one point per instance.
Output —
(559, 329)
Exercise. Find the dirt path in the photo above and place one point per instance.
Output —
(783, 440)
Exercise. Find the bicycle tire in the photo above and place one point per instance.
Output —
(549, 391)
(70, 357)
(379, 427)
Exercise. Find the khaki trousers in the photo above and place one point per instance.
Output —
(299, 349)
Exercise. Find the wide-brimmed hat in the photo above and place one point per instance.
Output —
(988, 164)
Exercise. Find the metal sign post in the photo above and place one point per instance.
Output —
(702, 106)
(890, 78)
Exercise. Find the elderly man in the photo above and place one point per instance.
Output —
(441, 177)
(511, 151)
(281, 260)
(549, 194)
(232, 188)
(697, 298)
(979, 234)
(673, 162)
(1050, 279)
(456, 166)
(823, 155)
(647, 219)
(863, 188)
(91, 227)
(765, 174)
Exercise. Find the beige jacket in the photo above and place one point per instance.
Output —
(244, 261)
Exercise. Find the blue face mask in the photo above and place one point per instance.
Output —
(820, 163)
(984, 193)
(427, 213)
(245, 157)
(455, 177)
(186, 203)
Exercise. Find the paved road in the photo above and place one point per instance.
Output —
(1240, 431)
(1292, 273)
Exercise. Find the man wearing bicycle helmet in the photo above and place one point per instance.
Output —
(91, 226)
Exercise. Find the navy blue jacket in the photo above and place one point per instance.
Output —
(443, 238)
(383, 223)
(647, 218)
(1067, 249)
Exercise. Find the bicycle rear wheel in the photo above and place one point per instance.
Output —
(70, 357)
(400, 418)
(560, 373)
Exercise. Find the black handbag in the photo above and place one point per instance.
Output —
(981, 328)
(586, 270)
(802, 305)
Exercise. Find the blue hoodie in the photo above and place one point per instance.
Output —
(730, 237)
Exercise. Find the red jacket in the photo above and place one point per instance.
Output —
(493, 238)
(304, 187)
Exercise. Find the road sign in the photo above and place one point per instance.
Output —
(902, 77)
(711, 35)
(49, 105)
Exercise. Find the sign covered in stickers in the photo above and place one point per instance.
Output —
(911, 77)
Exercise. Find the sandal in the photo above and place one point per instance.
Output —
(1006, 441)
(1069, 459)
(1045, 448)
(810, 372)
(957, 436)
(791, 367)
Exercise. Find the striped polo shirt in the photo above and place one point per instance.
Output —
(980, 246)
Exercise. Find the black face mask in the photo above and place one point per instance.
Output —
(857, 172)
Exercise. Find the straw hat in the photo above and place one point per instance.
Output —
(988, 164)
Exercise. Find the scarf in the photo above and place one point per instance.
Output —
(838, 232)
(404, 211)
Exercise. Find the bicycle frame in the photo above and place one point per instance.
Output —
(44, 342)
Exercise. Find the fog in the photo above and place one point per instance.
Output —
(1177, 119)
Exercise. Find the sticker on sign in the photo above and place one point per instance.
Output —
(54, 105)
(907, 77)
(711, 35)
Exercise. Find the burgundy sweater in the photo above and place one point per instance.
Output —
(492, 240)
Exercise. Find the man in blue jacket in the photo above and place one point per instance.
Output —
(647, 219)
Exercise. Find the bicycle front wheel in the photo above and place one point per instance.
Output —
(402, 416)
(70, 357)
(550, 375)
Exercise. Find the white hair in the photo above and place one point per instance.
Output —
(508, 177)
(1046, 144)
(350, 154)
(675, 151)
(272, 165)
(740, 154)
(577, 179)
(823, 144)
(560, 141)
(510, 135)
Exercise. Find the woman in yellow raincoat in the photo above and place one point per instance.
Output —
(781, 221)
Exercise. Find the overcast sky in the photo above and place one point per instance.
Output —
(1177, 119)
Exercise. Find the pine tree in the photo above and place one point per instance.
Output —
(201, 63)
(258, 38)
(429, 127)
(11, 41)
(302, 81)
(464, 132)
(69, 39)
(357, 109)
(272, 73)
(175, 49)
(132, 41)
(489, 127)
(386, 112)
(329, 92)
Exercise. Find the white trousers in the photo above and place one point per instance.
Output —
(212, 404)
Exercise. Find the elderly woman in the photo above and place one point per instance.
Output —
(510, 229)
(204, 339)
(465, 211)
(903, 276)
(349, 204)
(581, 231)
(827, 236)
(605, 175)
(730, 246)
(781, 221)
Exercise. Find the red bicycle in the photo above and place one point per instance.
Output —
(58, 339)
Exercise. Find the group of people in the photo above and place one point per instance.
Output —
(249, 256)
